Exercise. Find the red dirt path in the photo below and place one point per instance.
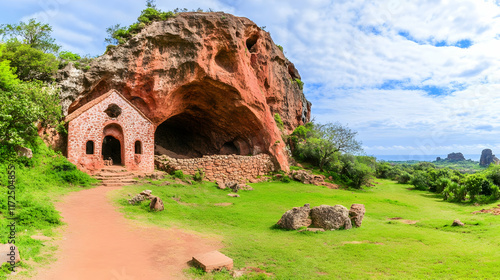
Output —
(99, 243)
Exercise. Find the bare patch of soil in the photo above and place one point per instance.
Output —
(408, 222)
(494, 211)
(223, 204)
(99, 243)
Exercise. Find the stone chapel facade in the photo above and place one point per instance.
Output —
(110, 128)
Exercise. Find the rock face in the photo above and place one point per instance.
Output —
(156, 204)
(331, 217)
(210, 82)
(487, 158)
(356, 214)
(455, 157)
(296, 218)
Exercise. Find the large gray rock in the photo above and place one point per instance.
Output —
(331, 217)
(296, 218)
(356, 214)
(455, 157)
(487, 158)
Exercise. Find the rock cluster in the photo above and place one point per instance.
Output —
(324, 216)
(215, 80)
(487, 158)
(307, 177)
(457, 223)
(235, 186)
(156, 203)
(220, 167)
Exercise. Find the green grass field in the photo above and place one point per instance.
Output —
(380, 249)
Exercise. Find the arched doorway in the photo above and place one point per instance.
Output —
(111, 148)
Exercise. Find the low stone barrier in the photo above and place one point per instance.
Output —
(220, 167)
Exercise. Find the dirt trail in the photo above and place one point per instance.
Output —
(99, 243)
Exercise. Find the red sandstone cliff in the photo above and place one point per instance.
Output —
(211, 83)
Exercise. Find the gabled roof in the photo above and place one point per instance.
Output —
(98, 100)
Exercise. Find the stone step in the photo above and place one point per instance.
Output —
(116, 184)
(118, 181)
(101, 177)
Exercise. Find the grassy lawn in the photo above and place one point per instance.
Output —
(381, 248)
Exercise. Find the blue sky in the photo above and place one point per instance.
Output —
(412, 77)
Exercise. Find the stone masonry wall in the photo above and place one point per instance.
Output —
(220, 167)
(91, 126)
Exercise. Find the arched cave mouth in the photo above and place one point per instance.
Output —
(210, 121)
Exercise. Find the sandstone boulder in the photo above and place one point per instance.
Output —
(210, 82)
(156, 204)
(233, 195)
(356, 214)
(244, 187)
(331, 217)
(9, 254)
(233, 185)
(307, 177)
(457, 223)
(296, 218)
(221, 185)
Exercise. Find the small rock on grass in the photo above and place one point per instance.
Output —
(457, 223)
(233, 195)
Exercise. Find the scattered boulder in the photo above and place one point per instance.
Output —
(156, 204)
(307, 177)
(9, 254)
(23, 152)
(457, 223)
(487, 158)
(331, 217)
(233, 195)
(232, 185)
(146, 194)
(356, 214)
(244, 187)
(221, 185)
(455, 157)
(296, 218)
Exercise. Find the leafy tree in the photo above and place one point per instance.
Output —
(35, 34)
(30, 63)
(331, 138)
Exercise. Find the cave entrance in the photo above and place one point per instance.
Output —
(209, 119)
(111, 148)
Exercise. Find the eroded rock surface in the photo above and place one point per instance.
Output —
(331, 217)
(296, 218)
(487, 158)
(356, 214)
(210, 82)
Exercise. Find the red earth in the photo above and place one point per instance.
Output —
(99, 243)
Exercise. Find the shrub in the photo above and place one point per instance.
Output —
(420, 181)
(286, 179)
(404, 178)
(300, 83)
(178, 174)
(280, 47)
(474, 184)
(199, 175)
(38, 215)
(279, 122)
(442, 184)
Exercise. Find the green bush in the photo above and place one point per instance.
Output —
(279, 122)
(404, 178)
(178, 174)
(475, 183)
(420, 181)
(300, 83)
(199, 175)
(442, 184)
(38, 216)
(286, 179)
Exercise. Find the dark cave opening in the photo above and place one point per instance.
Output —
(111, 148)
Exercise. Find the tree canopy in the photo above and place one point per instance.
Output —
(35, 34)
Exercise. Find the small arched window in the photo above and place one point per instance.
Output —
(90, 148)
(138, 147)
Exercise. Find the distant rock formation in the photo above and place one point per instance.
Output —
(487, 157)
(455, 157)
